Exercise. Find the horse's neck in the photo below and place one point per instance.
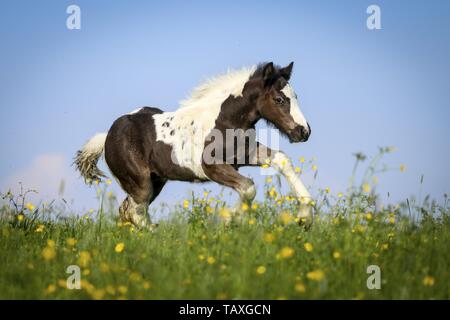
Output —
(239, 115)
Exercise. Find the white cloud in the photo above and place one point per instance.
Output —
(45, 174)
(52, 176)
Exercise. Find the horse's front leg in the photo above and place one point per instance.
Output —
(281, 162)
(227, 175)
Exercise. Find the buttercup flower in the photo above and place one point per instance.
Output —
(261, 270)
(308, 247)
(286, 252)
(119, 247)
(30, 206)
(316, 275)
(428, 281)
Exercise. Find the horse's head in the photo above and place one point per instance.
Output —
(277, 103)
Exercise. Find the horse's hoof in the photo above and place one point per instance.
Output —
(152, 227)
(305, 223)
(305, 217)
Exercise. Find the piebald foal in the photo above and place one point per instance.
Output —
(148, 147)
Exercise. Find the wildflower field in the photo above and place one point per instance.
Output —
(262, 253)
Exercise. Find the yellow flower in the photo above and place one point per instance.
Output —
(384, 246)
(273, 192)
(211, 260)
(286, 253)
(366, 187)
(110, 290)
(244, 207)
(97, 294)
(368, 216)
(186, 204)
(119, 247)
(48, 253)
(50, 289)
(71, 242)
(122, 289)
(308, 247)
(269, 237)
(146, 285)
(428, 281)
(20, 217)
(300, 287)
(104, 267)
(302, 159)
(50, 243)
(108, 181)
(84, 258)
(209, 209)
(402, 168)
(39, 228)
(135, 277)
(254, 206)
(30, 206)
(201, 257)
(251, 221)
(298, 170)
(62, 283)
(205, 193)
(316, 275)
(268, 179)
(285, 217)
(336, 255)
(314, 167)
(392, 220)
(340, 195)
(261, 270)
(225, 213)
(327, 190)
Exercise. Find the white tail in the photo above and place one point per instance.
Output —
(87, 158)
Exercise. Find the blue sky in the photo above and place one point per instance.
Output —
(358, 88)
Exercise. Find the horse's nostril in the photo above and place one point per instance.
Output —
(305, 133)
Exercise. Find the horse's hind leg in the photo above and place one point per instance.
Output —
(134, 208)
(135, 213)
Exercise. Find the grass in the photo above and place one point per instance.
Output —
(262, 254)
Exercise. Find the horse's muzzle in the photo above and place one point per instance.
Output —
(300, 134)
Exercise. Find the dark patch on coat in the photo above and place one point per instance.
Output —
(137, 160)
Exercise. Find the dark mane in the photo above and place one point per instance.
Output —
(259, 72)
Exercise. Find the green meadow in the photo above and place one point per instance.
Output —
(202, 251)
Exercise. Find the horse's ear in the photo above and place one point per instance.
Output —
(268, 72)
(287, 71)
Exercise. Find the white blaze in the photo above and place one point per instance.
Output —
(296, 114)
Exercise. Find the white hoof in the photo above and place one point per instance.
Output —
(305, 216)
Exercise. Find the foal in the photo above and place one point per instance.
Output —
(148, 147)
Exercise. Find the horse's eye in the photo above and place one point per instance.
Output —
(279, 100)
